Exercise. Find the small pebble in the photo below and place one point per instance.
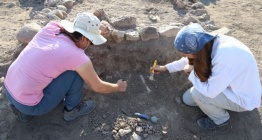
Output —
(145, 135)
(2, 96)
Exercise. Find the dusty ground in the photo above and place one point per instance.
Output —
(115, 111)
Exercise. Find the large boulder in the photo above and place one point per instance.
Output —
(27, 32)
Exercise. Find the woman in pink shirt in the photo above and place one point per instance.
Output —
(53, 67)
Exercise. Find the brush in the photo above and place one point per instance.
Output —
(151, 77)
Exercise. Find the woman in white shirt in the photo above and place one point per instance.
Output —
(223, 72)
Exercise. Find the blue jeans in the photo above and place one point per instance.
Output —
(68, 87)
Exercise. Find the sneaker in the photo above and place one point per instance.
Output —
(207, 123)
(83, 108)
(21, 116)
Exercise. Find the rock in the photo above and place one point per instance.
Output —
(210, 22)
(223, 30)
(11, 5)
(2, 96)
(59, 13)
(38, 15)
(123, 124)
(18, 50)
(135, 137)
(198, 5)
(2, 92)
(68, 3)
(168, 31)
(180, 4)
(154, 18)
(211, 27)
(46, 10)
(178, 100)
(118, 36)
(27, 32)
(190, 19)
(145, 135)
(164, 129)
(176, 24)
(124, 22)
(62, 8)
(123, 132)
(132, 35)
(198, 12)
(2, 79)
(139, 129)
(140, 123)
(116, 137)
(106, 128)
(104, 116)
(204, 17)
(52, 16)
(194, 1)
(105, 132)
(114, 131)
(148, 33)
(51, 3)
(80, 1)
(101, 15)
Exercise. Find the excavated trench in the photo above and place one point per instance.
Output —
(131, 56)
(160, 97)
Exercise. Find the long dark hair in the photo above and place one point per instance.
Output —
(202, 62)
(75, 36)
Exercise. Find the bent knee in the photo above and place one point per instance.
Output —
(187, 98)
(196, 95)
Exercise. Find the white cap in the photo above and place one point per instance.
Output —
(88, 25)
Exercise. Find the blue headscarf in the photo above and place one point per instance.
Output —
(192, 38)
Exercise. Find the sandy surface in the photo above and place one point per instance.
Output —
(115, 111)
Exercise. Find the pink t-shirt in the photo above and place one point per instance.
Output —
(46, 57)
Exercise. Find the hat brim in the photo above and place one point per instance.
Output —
(96, 39)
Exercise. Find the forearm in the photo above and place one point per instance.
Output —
(107, 87)
(177, 65)
(104, 87)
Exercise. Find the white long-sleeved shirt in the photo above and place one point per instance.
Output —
(234, 73)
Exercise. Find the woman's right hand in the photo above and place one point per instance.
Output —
(188, 69)
(157, 69)
(122, 85)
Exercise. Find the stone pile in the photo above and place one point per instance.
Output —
(136, 127)
(120, 30)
